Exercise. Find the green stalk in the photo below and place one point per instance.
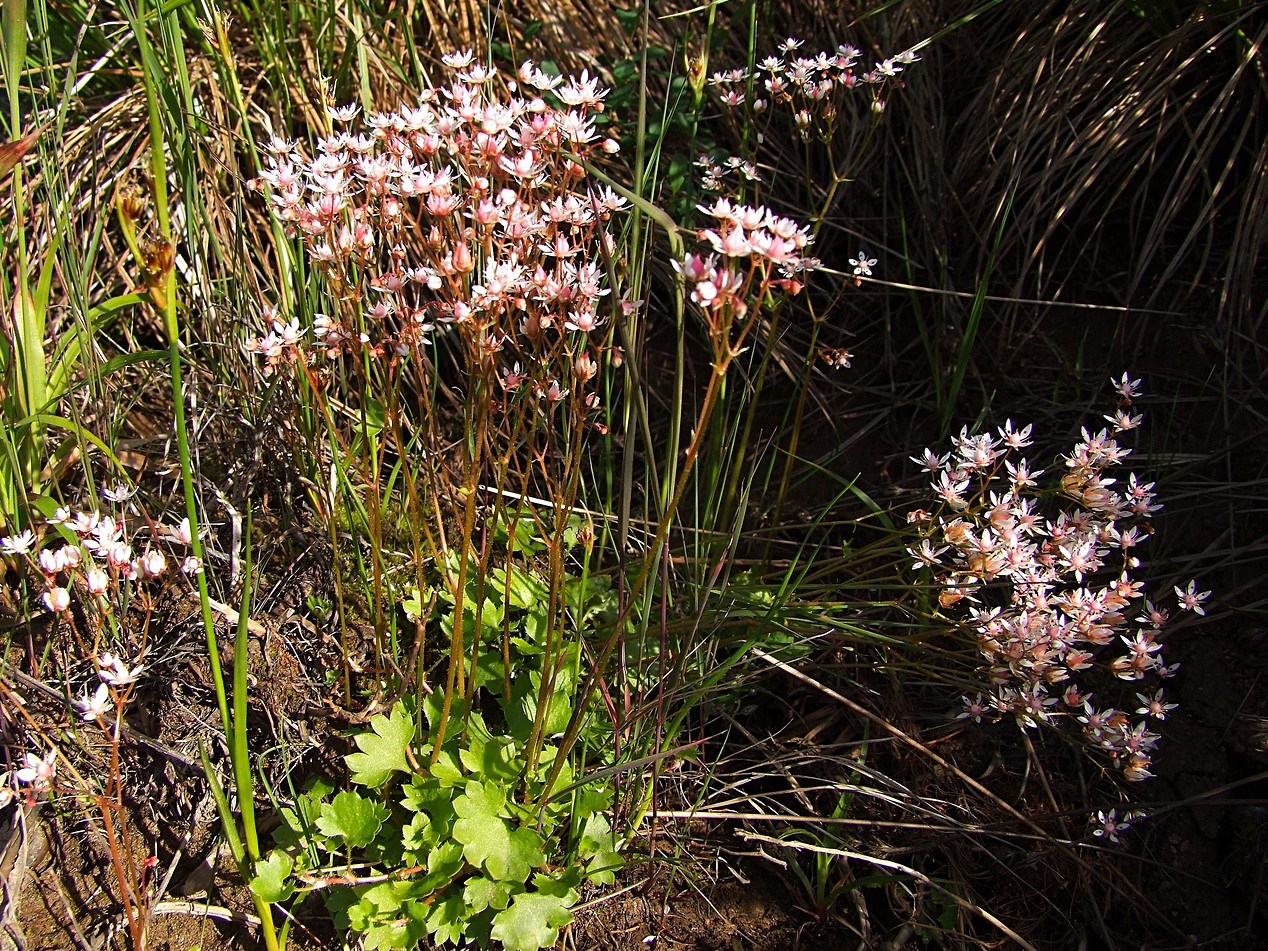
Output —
(29, 353)
(158, 168)
(235, 727)
(241, 757)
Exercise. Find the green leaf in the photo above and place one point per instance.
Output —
(562, 883)
(526, 537)
(481, 893)
(567, 775)
(390, 919)
(490, 619)
(525, 590)
(592, 798)
(299, 825)
(629, 19)
(446, 769)
(398, 935)
(389, 915)
(426, 795)
(351, 818)
(600, 843)
(375, 415)
(447, 919)
(271, 881)
(522, 710)
(602, 866)
(493, 758)
(433, 705)
(443, 865)
(586, 597)
(383, 749)
(488, 840)
(412, 604)
(531, 922)
(415, 836)
(490, 671)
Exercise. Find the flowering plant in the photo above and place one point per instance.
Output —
(97, 573)
(1042, 581)
(466, 256)
(469, 260)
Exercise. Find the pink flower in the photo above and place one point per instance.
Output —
(584, 367)
(1191, 599)
(1109, 825)
(1126, 387)
(582, 320)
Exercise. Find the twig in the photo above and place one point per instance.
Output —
(196, 910)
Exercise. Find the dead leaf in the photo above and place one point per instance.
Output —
(11, 153)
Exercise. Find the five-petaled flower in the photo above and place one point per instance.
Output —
(862, 265)
(94, 705)
(112, 670)
(1191, 599)
(1109, 825)
(39, 770)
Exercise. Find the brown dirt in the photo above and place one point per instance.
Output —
(758, 915)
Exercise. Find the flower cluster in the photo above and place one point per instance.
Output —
(752, 252)
(471, 212)
(113, 675)
(1046, 577)
(812, 86)
(103, 554)
(38, 771)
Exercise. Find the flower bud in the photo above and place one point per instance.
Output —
(56, 599)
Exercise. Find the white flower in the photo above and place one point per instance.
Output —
(53, 560)
(152, 563)
(113, 670)
(458, 59)
(95, 705)
(343, 113)
(925, 555)
(1191, 599)
(38, 772)
(862, 265)
(18, 544)
(120, 492)
(98, 581)
(83, 522)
